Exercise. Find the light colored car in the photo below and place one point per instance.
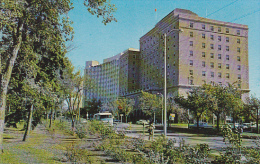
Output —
(141, 122)
(201, 125)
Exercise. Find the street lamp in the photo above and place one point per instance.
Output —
(165, 82)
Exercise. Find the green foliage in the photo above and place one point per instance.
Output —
(92, 107)
(101, 8)
(99, 128)
(76, 154)
(150, 103)
(126, 105)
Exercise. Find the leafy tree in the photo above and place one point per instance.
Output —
(149, 103)
(112, 107)
(196, 102)
(221, 96)
(126, 105)
(37, 27)
(252, 107)
(92, 107)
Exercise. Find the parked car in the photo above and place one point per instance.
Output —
(141, 122)
(201, 125)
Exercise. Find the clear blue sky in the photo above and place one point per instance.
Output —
(95, 41)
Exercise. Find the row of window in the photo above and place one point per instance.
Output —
(212, 37)
(212, 46)
(203, 26)
(212, 74)
(212, 56)
(212, 65)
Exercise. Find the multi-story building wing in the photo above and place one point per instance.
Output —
(129, 71)
(199, 50)
(104, 79)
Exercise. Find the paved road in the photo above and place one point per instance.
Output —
(214, 142)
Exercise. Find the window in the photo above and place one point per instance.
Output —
(238, 32)
(191, 53)
(238, 67)
(227, 66)
(219, 56)
(239, 86)
(238, 41)
(191, 43)
(203, 54)
(191, 62)
(219, 47)
(211, 28)
(238, 58)
(238, 76)
(134, 56)
(219, 38)
(191, 82)
(227, 75)
(212, 37)
(227, 30)
(219, 65)
(212, 74)
(212, 55)
(227, 39)
(191, 25)
(203, 26)
(211, 46)
(203, 73)
(133, 62)
(238, 49)
(219, 74)
(203, 45)
(219, 29)
(211, 65)
(203, 36)
(191, 34)
(227, 48)
(191, 72)
(203, 64)
(227, 57)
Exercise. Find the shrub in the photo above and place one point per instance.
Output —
(76, 154)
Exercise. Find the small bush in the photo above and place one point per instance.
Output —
(76, 154)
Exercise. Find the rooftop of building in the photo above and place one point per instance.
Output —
(116, 57)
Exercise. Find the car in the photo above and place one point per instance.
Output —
(201, 125)
(116, 121)
(141, 122)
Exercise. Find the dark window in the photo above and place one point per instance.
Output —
(219, 56)
(203, 26)
(191, 25)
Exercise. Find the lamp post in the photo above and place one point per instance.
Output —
(165, 81)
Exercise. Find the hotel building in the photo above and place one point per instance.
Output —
(198, 50)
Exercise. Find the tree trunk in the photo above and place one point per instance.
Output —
(29, 123)
(125, 118)
(257, 119)
(218, 122)
(50, 119)
(198, 125)
(5, 78)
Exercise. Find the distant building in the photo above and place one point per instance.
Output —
(199, 50)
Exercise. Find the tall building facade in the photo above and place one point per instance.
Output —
(198, 50)
(115, 77)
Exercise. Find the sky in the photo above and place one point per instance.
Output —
(96, 41)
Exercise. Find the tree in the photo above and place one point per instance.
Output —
(36, 27)
(149, 103)
(93, 106)
(126, 105)
(196, 102)
(252, 107)
(226, 100)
